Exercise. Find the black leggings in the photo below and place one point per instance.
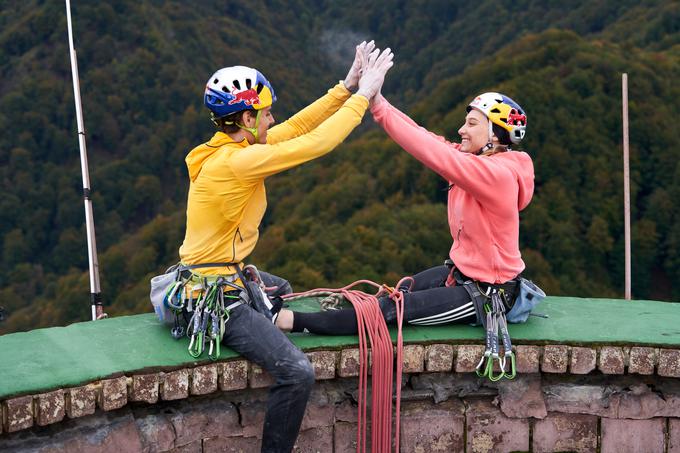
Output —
(428, 303)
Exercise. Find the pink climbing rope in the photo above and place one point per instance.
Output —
(371, 324)
(398, 298)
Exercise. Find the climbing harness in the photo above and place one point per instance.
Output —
(490, 307)
(199, 306)
(495, 306)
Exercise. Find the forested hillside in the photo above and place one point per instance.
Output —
(367, 209)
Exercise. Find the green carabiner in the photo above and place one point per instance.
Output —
(216, 355)
(513, 369)
(197, 348)
(216, 340)
(480, 365)
(497, 377)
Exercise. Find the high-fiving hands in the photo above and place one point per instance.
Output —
(360, 58)
(373, 69)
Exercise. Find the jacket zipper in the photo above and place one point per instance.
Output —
(233, 243)
(456, 243)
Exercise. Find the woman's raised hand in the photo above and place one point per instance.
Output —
(373, 72)
(360, 60)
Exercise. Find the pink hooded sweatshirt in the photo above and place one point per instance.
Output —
(483, 207)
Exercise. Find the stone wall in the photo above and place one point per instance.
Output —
(565, 398)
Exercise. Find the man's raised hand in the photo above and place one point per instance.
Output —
(360, 60)
(373, 73)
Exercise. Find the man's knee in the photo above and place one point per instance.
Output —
(305, 372)
(297, 370)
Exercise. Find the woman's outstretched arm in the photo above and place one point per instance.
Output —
(482, 177)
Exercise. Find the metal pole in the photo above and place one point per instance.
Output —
(95, 291)
(626, 184)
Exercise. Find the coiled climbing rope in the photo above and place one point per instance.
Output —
(372, 330)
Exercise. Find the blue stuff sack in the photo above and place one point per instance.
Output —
(529, 296)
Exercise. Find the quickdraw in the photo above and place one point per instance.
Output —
(496, 331)
(208, 313)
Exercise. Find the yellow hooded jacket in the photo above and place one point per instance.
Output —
(227, 196)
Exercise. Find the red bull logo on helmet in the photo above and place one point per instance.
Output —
(248, 97)
(516, 119)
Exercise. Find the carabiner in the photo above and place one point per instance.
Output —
(513, 369)
(196, 347)
(479, 366)
(492, 377)
(216, 343)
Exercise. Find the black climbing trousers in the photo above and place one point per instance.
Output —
(428, 303)
(255, 337)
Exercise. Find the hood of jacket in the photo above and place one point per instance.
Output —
(198, 156)
(523, 168)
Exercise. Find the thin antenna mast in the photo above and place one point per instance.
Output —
(626, 184)
(95, 291)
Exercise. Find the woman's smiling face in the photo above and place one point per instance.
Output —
(474, 133)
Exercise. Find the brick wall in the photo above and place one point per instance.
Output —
(608, 399)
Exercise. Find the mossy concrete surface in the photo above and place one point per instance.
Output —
(60, 357)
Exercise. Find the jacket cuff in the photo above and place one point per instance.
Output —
(358, 103)
(340, 92)
(379, 110)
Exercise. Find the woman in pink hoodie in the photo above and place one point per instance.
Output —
(489, 184)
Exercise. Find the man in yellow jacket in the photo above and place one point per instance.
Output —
(227, 201)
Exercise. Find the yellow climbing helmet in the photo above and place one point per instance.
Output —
(503, 112)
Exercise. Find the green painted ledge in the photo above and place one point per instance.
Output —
(61, 357)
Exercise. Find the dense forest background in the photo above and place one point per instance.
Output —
(367, 209)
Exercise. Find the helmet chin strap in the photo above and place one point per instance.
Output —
(489, 145)
(253, 130)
